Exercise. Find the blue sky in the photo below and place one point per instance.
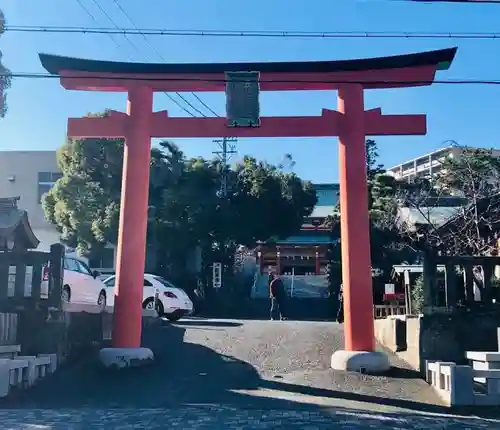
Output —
(466, 113)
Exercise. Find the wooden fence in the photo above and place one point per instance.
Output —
(31, 279)
(384, 311)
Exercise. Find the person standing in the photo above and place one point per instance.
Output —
(340, 311)
(277, 293)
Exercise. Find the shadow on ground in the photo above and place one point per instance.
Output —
(189, 375)
(199, 322)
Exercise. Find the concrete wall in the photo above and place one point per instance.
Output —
(443, 337)
(19, 177)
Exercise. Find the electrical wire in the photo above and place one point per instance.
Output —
(91, 15)
(139, 51)
(254, 33)
(27, 75)
(456, 1)
(124, 12)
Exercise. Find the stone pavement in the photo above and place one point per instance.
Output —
(217, 418)
(219, 374)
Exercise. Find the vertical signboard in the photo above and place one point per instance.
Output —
(217, 275)
(242, 99)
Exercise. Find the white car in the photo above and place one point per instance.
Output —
(159, 294)
(80, 284)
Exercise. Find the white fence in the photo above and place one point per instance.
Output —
(21, 372)
(8, 328)
(478, 384)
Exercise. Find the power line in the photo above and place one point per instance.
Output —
(26, 75)
(87, 11)
(257, 34)
(227, 146)
(456, 1)
(139, 51)
(124, 12)
(91, 15)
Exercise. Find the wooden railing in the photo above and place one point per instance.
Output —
(384, 311)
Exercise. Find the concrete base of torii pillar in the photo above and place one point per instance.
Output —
(123, 358)
(370, 362)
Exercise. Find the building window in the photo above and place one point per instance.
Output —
(106, 259)
(46, 181)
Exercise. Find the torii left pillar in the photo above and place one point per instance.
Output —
(131, 252)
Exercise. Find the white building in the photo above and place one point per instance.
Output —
(428, 165)
(29, 175)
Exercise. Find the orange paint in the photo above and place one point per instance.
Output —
(354, 222)
(131, 253)
(351, 123)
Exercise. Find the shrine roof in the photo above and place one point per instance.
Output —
(442, 58)
(14, 222)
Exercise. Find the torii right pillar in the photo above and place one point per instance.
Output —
(359, 353)
(354, 222)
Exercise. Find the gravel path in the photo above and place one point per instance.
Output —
(219, 374)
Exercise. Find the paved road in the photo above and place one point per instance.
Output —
(213, 374)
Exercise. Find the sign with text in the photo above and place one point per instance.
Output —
(389, 289)
(242, 99)
(217, 275)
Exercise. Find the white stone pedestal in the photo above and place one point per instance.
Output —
(121, 358)
(360, 361)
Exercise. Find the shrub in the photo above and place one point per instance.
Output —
(417, 296)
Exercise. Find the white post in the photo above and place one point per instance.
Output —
(293, 281)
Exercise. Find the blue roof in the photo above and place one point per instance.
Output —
(307, 240)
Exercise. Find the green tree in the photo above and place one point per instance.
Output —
(185, 206)
(84, 203)
(387, 245)
(5, 75)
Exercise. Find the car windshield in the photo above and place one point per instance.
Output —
(164, 282)
(109, 281)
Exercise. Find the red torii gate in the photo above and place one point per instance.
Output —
(351, 123)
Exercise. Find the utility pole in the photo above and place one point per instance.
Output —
(227, 147)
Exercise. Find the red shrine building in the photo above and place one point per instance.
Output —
(306, 252)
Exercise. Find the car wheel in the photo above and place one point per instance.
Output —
(66, 294)
(159, 308)
(101, 301)
(150, 305)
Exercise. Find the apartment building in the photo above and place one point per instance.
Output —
(427, 165)
(29, 175)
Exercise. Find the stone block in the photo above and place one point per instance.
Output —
(391, 333)
(30, 374)
(483, 356)
(4, 377)
(461, 386)
(52, 367)
(9, 351)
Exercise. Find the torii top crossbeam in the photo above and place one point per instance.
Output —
(385, 72)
